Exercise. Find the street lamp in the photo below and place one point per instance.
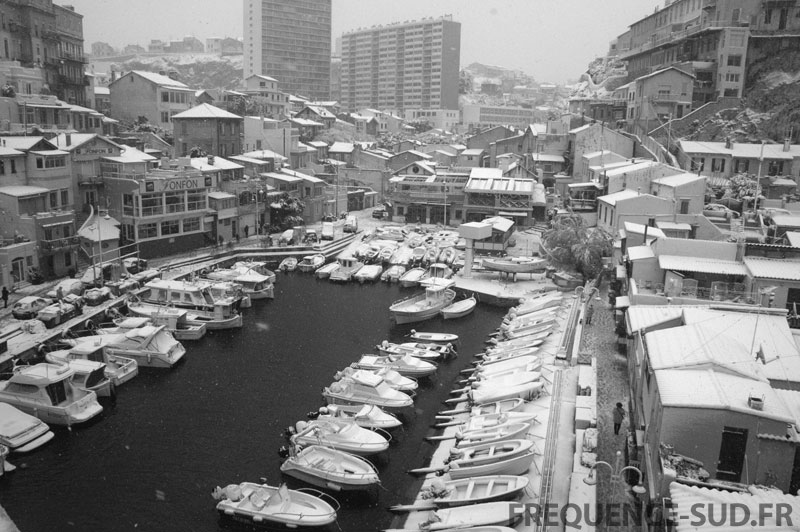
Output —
(616, 474)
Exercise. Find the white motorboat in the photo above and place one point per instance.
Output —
(22, 432)
(323, 272)
(151, 346)
(402, 256)
(311, 263)
(393, 273)
(330, 469)
(348, 266)
(520, 363)
(370, 272)
(256, 266)
(364, 387)
(411, 277)
(367, 416)
(405, 365)
(176, 320)
(254, 285)
(430, 256)
(539, 328)
(474, 515)
(535, 304)
(389, 348)
(512, 457)
(439, 338)
(515, 264)
(262, 505)
(418, 254)
(532, 316)
(47, 392)
(460, 308)
(422, 306)
(118, 369)
(89, 375)
(447, 255)
(340, 434)
(195, 297)
(474, 422)
(289, 264)
(444, 492)
(524, 324)
(389, 376)
(528, 338)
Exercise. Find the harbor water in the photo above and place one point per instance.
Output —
(151, 461)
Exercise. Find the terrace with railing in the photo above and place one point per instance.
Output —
(690, 293)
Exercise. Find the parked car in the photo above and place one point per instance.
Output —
(311, 236)
(327, 231)
(716, 210)
(380, 213)
(29, 306)
(351, 224)
(68, 286)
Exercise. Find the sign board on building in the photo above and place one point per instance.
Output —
(178, 183)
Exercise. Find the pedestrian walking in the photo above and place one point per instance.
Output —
(5, 297)
(619, 415)
(246, 231)
(60, 294)
(589, 312)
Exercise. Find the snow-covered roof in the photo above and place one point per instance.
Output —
(129, 154)
(341, 147)
(612, 199)
(201, 163)
(23, 190)
(159, 79)
(499, 223)
(640, 252)
(102, 91)
(472, 152)
(701, 265)
(679, 179)
(264, 154)
(765, 268)
(306, 122)
(205, 110)
(741, 150)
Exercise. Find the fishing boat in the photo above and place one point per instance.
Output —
(460, 308)
(311, 263)
(151, 346)
(348, 266)
(422, 306)
(343, 435)
(118, 369)
(411, 277)
(389, 376)
(433, 336)
(444, 492)
(512, 457)
(254, 285)
(437, 274)
(289, 264)
(46, 391)
(367, 416)
(323, 272)
(405, 365)
(393, 273)
(515, 264)
(267, 506)
(365, 387)
(485, 514)
(256, 266)
(331, 469)
(22, 432)
(370, 272)
(388, 348)
(195, 297)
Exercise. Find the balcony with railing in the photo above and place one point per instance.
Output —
(690, 292)
(59, 245)
(658, 41)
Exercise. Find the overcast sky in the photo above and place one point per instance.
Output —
(552, 40)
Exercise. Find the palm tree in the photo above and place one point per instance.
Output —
(572, 245)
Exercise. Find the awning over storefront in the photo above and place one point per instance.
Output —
(517, 214)
(622, 302)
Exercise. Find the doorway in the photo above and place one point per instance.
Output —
(731, 454)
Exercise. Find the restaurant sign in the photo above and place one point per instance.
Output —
(179, 183)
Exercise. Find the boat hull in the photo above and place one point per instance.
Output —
(477, 490)
(459, 309)
(515, 465)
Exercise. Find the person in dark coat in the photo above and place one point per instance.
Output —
(5, 297)
(619, 415)
(589, 313)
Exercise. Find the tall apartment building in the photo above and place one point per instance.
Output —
(715, 40)
(290, 40)
(402, 66)
(44, 35)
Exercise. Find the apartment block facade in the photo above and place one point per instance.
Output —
(290, 40)
(402, 66)
(714, 40)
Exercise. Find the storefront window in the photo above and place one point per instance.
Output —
(175, 201)
(196, 200)
(152, 204)
(148, 231)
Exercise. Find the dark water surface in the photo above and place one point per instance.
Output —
(151, 461)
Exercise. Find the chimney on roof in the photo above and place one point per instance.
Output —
(68, 139)
(755, 402)
(728, 143)
(787, 144)
(211, 160)
(113, 75)
(165, 162)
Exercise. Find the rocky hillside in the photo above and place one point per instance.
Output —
(198, 71)
(601, 78)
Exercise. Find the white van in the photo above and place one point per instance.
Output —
(327, 231)
(351, 224)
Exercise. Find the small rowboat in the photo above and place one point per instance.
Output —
(459, 309)
(442, 338)
(512, 457)
(289, 264)
(325, 271)
(475, 421)
(489, 513)
(506, 405)
(446, 493)
(500, 433)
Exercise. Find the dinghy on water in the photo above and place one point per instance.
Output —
(328, 468)
(444, 492)
(441, 338)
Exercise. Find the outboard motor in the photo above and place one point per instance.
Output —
(314, 414)
(283, 452)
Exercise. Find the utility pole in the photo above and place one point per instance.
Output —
(758, 179)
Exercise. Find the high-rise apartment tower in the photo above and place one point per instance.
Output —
(401, 66)
(290, 40)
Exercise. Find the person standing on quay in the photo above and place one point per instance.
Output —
(619, 415)
(589, 313)
(5, 297)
